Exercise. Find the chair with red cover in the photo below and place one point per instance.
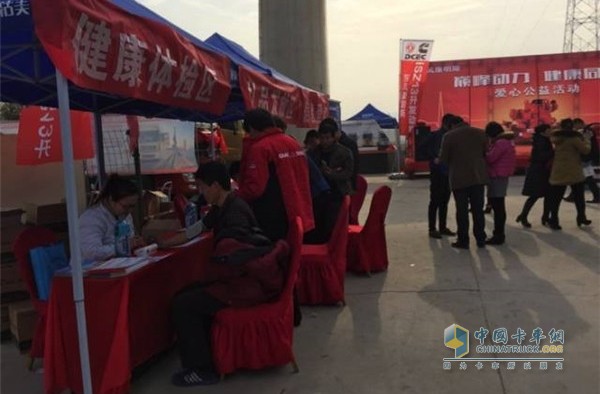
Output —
(260, 336)
(28, 239)
(323, 266)
(358, 198)
(367, 246)
(179, 203)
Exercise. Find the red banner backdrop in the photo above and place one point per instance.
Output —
(99, 46)
(39, 140)
(295, 105)
(518, 92)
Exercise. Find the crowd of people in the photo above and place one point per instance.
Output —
(465, 160)
(276, 181)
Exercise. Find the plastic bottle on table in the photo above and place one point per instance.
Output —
(122, 236)
(191, 214)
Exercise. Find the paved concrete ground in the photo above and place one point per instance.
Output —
(389, 337)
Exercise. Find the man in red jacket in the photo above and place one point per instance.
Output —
(274, 176)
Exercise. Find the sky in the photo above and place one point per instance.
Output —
(364, 35)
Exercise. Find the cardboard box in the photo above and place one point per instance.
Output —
(10, 278)
(23, 318)
(152, 201)
(45, 214)
(8, 235)
(10, 217)
(157, 227)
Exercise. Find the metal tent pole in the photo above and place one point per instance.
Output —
(62, 90)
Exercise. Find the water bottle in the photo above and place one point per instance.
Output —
(122, 235)
(191, 214)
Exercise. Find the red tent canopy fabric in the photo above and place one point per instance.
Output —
(99, 46)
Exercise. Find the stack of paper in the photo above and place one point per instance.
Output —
(118, 265)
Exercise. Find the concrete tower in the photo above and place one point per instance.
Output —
(293, 40)
(582, 26)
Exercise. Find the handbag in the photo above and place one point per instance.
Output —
(45, 260)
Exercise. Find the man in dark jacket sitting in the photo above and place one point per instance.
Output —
(247, 269)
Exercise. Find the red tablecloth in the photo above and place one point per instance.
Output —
(128, 321)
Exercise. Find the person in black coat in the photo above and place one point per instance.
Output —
(343, 139)
(536, 181)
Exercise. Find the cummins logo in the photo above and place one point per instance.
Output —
(421, 53)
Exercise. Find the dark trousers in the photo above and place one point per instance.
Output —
(325, 209)
(593, 186)
(192, 313)
(439, 196)
(499, 208)
(530, 202)
(556, 195)
(473, 196)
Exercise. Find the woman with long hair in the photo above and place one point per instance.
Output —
(536, 184)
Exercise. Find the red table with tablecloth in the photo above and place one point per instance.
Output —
(128, 320)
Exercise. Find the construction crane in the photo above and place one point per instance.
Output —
(582, 26)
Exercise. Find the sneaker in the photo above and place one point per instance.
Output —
(194, 377)
(447, 231)
(458, 245)
(435, 234)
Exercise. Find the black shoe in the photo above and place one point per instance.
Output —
(523, 220)
(583, 222)
(545, 221)
(554, 225)
(594, 201)
(481, 244)
(447, 231)
(488, 209)
(494, 241)
(569, 198)
(459, 245)
(194, 377)
(435, 234)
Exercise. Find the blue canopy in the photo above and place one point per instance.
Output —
(370, 112)
(27, 76)
(241, 57)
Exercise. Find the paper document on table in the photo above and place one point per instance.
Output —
(118, 264)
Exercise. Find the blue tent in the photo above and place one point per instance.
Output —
(370, 112)
(27, 76)
(241, 57)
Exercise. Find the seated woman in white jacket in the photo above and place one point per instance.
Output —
(97, 223)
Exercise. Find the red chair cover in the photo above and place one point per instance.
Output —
(179, 203)
(28, 239)
(367, 246)
(358, 198)
(259, 336)
(323, 267)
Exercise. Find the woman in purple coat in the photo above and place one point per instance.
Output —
(500, 160)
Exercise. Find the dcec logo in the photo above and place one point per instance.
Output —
(420, 55)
